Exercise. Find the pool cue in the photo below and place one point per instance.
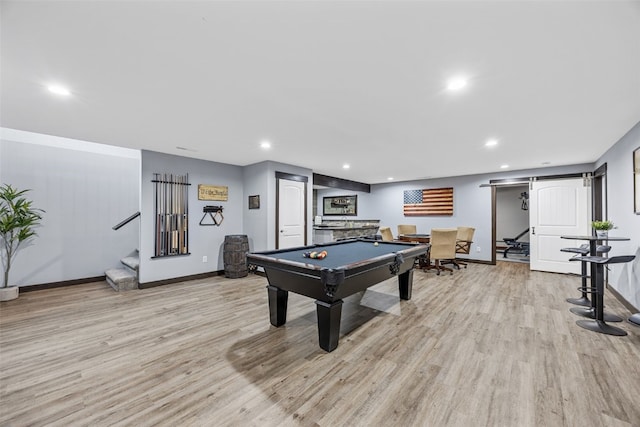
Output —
(185, 208)
(158, 220)
(165, 239)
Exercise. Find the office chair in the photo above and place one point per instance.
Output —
(386, 234)
(443, 248)
(407, 229)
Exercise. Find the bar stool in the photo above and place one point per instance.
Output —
(582, 251)
(598, 324)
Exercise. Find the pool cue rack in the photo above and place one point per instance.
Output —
(171, 214)
(215, 212)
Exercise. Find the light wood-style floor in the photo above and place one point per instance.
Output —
(487, 346)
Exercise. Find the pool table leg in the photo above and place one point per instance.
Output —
(405, 284)
(277, 305)
(329, 315)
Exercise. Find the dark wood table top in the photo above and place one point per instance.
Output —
(420, 238)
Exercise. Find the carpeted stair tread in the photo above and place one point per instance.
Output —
(131, 262)
(121, 279)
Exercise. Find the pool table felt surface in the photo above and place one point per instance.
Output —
(341, 254)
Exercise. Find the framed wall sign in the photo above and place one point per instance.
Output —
(636, 181)
(340, 205)
(254, 202)
(213, 192)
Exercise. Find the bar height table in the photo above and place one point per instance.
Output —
(592, 312)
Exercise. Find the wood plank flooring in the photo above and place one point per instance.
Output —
(486, 346)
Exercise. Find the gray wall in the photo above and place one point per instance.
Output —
(203, 240)
(625, 278)
(256, 221)
(85, 189)
(471, 203)
(260, 179)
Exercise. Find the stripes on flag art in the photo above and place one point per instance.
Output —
(435, 201)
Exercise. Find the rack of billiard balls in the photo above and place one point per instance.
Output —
(315, 254)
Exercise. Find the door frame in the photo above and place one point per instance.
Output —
(599, 196)
(290, 177)
(519, 181)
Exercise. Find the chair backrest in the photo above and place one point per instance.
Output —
(386, 234)
(464, 239)
(407, 229)
(443, 243)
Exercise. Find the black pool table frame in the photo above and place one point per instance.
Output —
(330, 285)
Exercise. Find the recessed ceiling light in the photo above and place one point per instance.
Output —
(456, 83)
(491, 143)
(504, 166)
(346, 166)
(546, 163)
(265, 144)
(390, 178)
(59, 90)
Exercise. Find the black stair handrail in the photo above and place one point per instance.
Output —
(126, 221)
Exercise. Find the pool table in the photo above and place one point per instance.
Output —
(350, 266)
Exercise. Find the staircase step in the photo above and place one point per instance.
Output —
(121, 280)
(131, 262)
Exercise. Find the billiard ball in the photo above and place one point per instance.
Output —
(375, 243)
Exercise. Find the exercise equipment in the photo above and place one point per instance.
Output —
(514, 245)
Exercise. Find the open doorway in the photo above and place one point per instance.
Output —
(512, 223)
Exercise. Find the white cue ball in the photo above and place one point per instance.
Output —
(375, 244)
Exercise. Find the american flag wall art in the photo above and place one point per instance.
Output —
(434, 201)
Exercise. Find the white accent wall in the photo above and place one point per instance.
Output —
(85, 189)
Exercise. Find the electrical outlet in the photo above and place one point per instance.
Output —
(478, 249)
(204, 258)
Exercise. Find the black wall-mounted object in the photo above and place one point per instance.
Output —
(345, 184)
(215, 212)
(212, 209)
(171, 200)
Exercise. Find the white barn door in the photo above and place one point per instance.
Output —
(291, 213)
(556, 208)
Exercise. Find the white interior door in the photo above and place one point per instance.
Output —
(557, 208)
(291, 213)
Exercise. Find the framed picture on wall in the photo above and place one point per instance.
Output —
(340, 205)
(636, 181)
(254, 202)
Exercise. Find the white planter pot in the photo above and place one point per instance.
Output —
(9, 293)
(602, 234)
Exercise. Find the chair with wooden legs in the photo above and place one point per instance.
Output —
(443, 248)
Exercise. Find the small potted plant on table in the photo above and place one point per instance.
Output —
(602, 228)
(18, 219)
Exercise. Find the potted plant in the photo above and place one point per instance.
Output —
(602, 228)
(18, 219)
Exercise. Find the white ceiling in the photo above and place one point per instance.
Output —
(329, 82)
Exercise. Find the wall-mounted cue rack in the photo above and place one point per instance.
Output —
(171, 214)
